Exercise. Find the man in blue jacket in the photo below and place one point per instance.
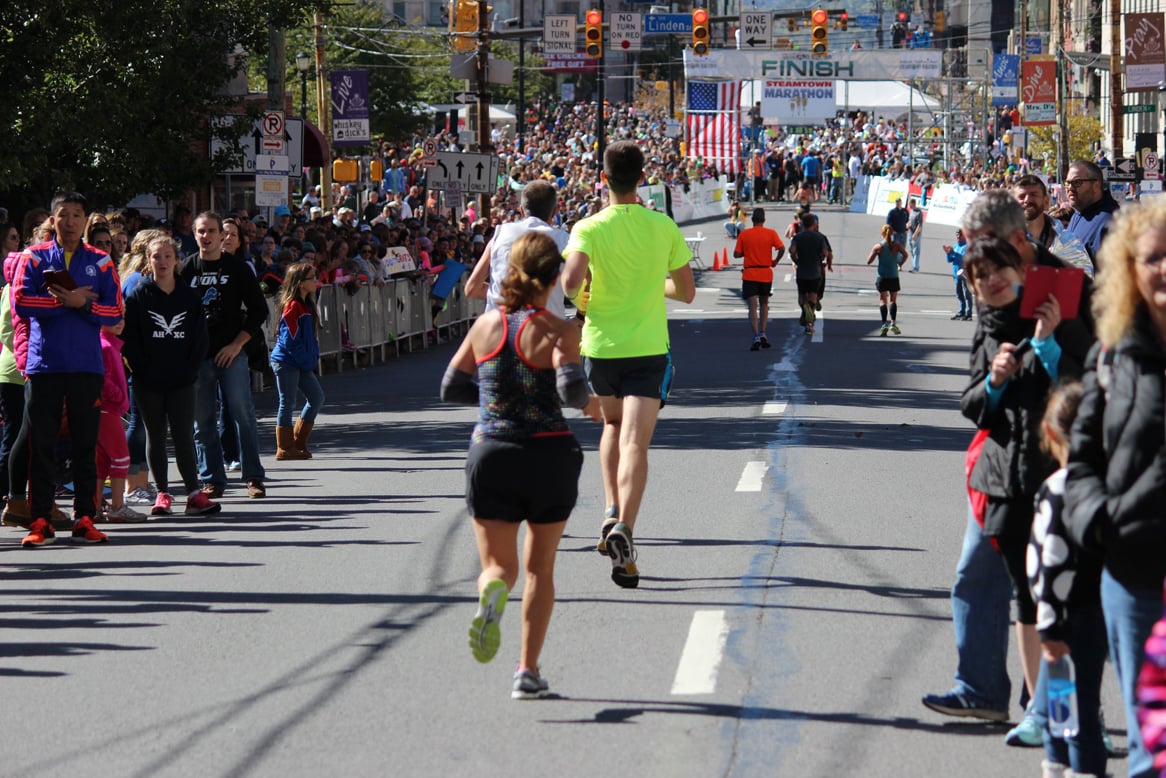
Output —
(1093, 206)
(66, 290)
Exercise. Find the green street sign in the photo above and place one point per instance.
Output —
(1144, 108)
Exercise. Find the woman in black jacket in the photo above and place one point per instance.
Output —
(1116, 487)
(1009, 387)
(165, 342)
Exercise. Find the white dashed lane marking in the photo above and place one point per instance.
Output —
(751, 477)
(701, 659)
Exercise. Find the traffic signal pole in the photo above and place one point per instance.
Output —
(483, 63)
(600, 141)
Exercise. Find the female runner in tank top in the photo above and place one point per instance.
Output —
(891, 256)
(524, 462)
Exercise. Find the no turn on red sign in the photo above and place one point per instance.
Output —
(627, 31)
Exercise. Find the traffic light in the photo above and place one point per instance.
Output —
(819, 33)
(791, 24)
(463, 19)
(843, 21)
(593, 34)
(901, 17)
(700, 31)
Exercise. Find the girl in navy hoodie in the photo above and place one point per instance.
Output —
(165, 342)
(294, 360)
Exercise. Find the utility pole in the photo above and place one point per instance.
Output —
(1117, 132)
(323, 112)
(483, 61)
(600, 75)
(1062, 94)
(520, 125)
(276, 65)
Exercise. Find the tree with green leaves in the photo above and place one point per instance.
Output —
(1084, 133)
(111, 99)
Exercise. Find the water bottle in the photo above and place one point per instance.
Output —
(1062, 698)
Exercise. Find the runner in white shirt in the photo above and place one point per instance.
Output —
(539, 200)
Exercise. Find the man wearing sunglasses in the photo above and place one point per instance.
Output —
(1093, 206)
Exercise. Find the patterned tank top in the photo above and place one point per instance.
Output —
(518, 401)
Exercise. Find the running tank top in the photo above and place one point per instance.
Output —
(518, 401)
(888, 265)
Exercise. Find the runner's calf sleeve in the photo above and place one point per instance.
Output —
(883, 312)
(458, 386)
(572, 385)
(894, 311)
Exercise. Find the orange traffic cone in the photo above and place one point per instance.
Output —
(716, 260)
(725, 260)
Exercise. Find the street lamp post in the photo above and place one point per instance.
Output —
(303, 64)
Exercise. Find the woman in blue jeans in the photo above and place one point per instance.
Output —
(1116, 485)
(294, 360)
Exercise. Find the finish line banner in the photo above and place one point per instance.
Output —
(886, 65)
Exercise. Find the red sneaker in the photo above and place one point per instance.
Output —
(40, 533)
(162, 505)
(85, 532)
(199, 504)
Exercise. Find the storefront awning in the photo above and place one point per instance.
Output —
(317, 152)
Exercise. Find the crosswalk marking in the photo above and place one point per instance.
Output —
(774, 408)
(701, 658)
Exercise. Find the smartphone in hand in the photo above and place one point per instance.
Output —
(61, 278)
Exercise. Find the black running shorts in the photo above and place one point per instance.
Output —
(631, 376)
(887, 284)
(808, 285)
(535, 481)
(756, 289)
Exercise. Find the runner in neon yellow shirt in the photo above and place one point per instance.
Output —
(636, 257)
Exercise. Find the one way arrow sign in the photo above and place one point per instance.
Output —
(1124, 169)
(756, 33)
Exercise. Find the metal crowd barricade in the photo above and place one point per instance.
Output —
(329, 331)
(377, 317)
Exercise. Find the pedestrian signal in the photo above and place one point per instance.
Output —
(700, 31)
(819, 33)
(791, 24)
(593, 34)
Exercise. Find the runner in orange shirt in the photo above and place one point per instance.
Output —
(756, 246)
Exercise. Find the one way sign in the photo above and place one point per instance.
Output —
(756, 30)
(1124, 169)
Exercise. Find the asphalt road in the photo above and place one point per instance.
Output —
(800, 530)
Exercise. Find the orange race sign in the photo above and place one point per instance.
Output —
(1038, 91)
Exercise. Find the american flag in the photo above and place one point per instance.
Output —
(714, 125)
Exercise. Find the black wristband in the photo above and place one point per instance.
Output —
(87, 308)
